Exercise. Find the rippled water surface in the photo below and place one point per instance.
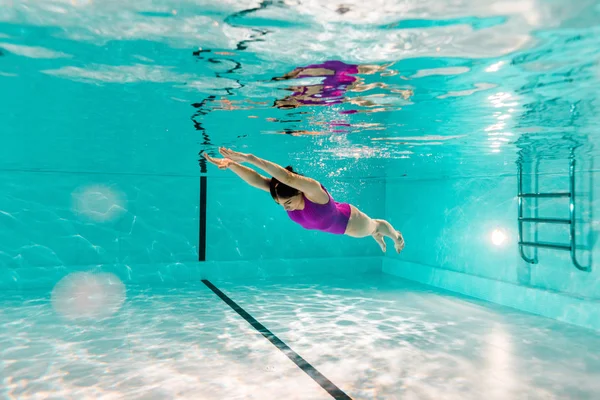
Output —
(429, 87)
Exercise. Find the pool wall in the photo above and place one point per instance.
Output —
(146, 229)
(449, 223)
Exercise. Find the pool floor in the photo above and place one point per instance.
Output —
(373, 336)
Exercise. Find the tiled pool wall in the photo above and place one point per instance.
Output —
(146, 229)
(462, 235)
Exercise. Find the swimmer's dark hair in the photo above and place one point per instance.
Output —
(281, 190)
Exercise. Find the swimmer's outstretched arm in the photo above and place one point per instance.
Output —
(250, 176)
(308, 186)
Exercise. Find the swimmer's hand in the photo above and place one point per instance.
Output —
(234, 155)
(222, 163)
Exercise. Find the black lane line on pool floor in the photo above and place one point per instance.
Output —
(311, 371)
(202, 222)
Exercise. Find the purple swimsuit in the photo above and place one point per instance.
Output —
(332, 217)
(334, 86)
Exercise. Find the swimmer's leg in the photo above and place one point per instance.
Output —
(386, 229)
(361, 225)
(379, 239)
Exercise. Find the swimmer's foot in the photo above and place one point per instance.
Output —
(379, 239)
(399, 242)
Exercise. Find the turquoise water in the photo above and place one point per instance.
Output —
(417, 112)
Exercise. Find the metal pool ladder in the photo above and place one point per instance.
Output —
(571, 221)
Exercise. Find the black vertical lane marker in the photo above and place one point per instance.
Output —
(201, 112)
(202, 228)
(311, 371)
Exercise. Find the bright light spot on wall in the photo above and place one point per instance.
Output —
(84, 295)
(99, 203)
(498, 237)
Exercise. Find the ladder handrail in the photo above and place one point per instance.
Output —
(520, 197)
(572, 232)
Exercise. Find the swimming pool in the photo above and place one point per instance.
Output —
(130, 268)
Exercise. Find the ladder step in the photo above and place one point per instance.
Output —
(558, 194)
(546, 245)
(546, 220)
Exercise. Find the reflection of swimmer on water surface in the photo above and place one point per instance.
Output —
(224, 104)
(339, 78)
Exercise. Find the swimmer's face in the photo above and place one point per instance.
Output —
(292, 203)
